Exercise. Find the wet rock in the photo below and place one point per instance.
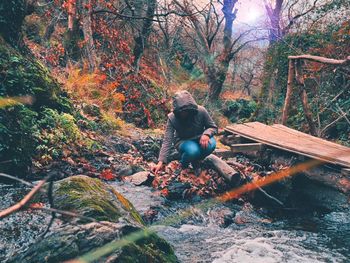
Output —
(67, 242)
(120, 144)
(176, 189)
(91, 197)
(150, 215)
(222, 216)
(126, 170)
(140, 178)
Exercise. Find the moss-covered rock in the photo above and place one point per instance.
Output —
(19, 129)
(91, 197)
(24, 76)
(68, 242)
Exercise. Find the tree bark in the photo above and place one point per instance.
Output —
(216, 76)
(274, 15)
(324, 60)
(142, 38)
(291, 75)
(304, 100)
(217, 73)
(88, 37)
(226, 171)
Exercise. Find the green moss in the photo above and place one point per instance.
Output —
(20, 127)
(21, 76)
(88, 196)
(151, 248)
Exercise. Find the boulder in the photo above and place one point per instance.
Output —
(116, 216)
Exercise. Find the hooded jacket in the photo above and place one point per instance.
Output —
(177, 131)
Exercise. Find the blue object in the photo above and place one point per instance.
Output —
(191, 151)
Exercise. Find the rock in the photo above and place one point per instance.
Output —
(120, 145)
(176, 189)
(68, 242)
(140, 178)
(91, 197)
(126, 170)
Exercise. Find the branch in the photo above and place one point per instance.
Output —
(24, 201)
(323, 60)
(16, 179)
(232, 54)
(296, 17)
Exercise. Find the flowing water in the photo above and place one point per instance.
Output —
(232, 232)
(253, 236)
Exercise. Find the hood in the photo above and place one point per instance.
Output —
(183, 100)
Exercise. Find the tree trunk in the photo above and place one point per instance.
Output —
(274, 14)
(142, 37)
(217, 73)
(291, 75)
(88, 38)
(304, 100)
(230, 174)
(216, 76)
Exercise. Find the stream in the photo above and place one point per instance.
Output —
(253, 236)
(231, 232)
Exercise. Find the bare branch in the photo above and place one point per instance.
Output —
(25, 200)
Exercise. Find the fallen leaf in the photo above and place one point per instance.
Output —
(107, 175)
(36, 205)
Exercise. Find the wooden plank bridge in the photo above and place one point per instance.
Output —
(287, 139)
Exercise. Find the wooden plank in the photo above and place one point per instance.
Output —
(296, 143)
(230, 139)
(223, 153)
(304, 142)
(311, 143)
(345, 171)
(277, 139)
(310, 137)
(246, 147)
(285, 141)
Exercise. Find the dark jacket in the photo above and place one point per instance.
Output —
(177, 131)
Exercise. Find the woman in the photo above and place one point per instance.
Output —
(191, 129)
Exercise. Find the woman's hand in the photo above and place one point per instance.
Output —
(157, 168)
(204, 141)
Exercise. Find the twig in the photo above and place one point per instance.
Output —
(344, 114)
(241, 167)
(71, 214)
(24, 201)
(53, 213)
(268, 195)
(16, 179)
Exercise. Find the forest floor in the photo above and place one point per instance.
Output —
(130, 153)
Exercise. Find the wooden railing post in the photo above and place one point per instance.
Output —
(291, 75)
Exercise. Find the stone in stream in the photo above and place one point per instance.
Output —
(91, 197)
(176, 189)
(140, 178)
(126, 170)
